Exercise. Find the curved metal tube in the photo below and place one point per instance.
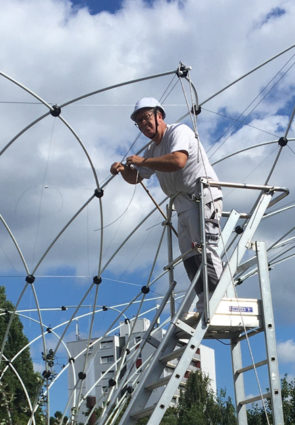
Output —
(61, 232)
(115, 86)
(247, 149)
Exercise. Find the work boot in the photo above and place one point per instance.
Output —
(191, 319)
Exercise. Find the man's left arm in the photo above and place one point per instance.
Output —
(169, 162)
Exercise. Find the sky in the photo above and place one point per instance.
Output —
(62, 50)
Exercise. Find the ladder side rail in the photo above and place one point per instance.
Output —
(237, 364)
(239, 251)
(227, 231)
(201, 206)
(239, 386)
(225, 282)
(170, 256)
(270, 337)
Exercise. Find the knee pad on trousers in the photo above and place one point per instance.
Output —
(192, 265)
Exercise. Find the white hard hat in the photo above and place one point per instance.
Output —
(147, 102)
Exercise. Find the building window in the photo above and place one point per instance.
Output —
(110, 372)
(187, 374)
(197, 364)
(106, 359)
(106, 344)
(138, 363)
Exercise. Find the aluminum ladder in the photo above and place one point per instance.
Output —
(169, 349)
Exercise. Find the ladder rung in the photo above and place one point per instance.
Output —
(249, 334)
(153, 341)
(159, 383)
(250, 367)
(253, 399)
(173, 355)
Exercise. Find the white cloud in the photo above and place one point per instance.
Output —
(61, 53)
(286, 351)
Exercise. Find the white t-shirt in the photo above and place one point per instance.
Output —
(179, 137)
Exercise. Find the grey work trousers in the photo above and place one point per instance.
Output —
(189, 235)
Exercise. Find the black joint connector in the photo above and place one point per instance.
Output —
(126, 321)
(196, 110)
(182, 71)
(82, 375)
(130, 389)
(239, 230)
(112, 382)
(282, 141)
(98, 193)
(55, 111)
(63, 308)
(71, 360)
(96, 280)
(104, 308)
(145, 290)
(46, 374)
(49, 330)
(127, 351)
(239, 281)
(30, 278)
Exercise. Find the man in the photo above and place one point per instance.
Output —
(178, 159)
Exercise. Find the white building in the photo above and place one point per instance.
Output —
(102, 359)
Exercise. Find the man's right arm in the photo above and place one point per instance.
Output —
(129, 174)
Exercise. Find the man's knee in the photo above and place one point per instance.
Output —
(192, 265)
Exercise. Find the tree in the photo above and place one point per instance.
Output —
(55, 420)
(257, 415)
(288, 397)
(199, 405)
(14, 407)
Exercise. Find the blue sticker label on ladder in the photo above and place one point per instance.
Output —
(240, 309)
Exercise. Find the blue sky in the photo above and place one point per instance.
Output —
(95, 6)
(46, 177)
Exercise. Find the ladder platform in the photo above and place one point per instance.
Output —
(235, 315)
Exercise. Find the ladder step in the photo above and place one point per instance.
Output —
(173, 355)
(153, 341)
(159, 383)
(253, 399)
(250, 333)
(252, 366)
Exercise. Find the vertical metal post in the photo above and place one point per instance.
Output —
(239, 387)
(170, 257)
(237, 364)
(204, 253)
(270, 337)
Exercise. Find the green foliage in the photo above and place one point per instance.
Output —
(14, 407)
(57, 418)
(170, 417)
(288, 396)
(199, 405)
(257, 415)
